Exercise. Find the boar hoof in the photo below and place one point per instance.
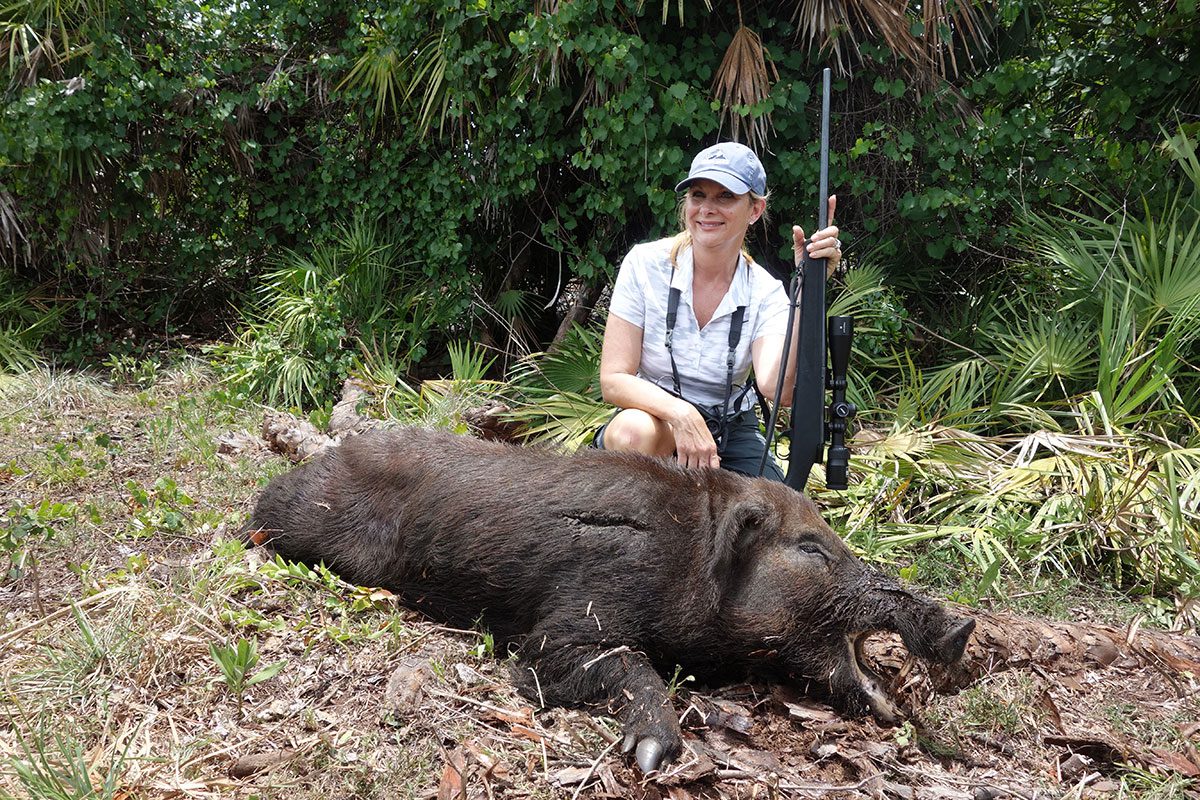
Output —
(954, 643)
(649, 751)
(649, 754)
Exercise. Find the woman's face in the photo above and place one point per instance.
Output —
(715, 216)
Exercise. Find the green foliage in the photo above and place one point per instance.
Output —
(439, 403)
(678, 680)
(180, 149)
(58, 767)
(879, 314)
(237, 663)
(1134, 279)
(298, 346)
(159, 509)
(339, 595)
(486, 647)
(1143, 784)
(25, 529)
(15, 356)
(62, 465)
(1002, 705)
(1067, 442)
(556, 395)
(129, 370)
(25, 319)
(1101, 321)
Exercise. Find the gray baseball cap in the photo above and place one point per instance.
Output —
(730, 164)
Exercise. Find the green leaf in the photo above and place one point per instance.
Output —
(266, 673)
(989, 577)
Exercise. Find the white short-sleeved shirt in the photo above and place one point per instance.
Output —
(640, 298)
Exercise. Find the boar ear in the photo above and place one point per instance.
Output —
(742, 523)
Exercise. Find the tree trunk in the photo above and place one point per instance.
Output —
(584, 299)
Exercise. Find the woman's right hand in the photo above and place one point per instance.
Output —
(694, 445)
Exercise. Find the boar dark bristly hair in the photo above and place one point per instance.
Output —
(602, 569)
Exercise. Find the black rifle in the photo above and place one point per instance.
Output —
(812, 421)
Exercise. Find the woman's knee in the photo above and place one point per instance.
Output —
(635, 431)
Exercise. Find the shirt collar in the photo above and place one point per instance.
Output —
(739, 289)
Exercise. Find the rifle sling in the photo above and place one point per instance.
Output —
(735, 335)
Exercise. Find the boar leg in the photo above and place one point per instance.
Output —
(568, 666)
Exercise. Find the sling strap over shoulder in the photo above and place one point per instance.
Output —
(735, 335)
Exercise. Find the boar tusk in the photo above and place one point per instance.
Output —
(649, 754)
(881, 705)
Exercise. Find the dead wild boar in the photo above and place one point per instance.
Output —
(604, 569)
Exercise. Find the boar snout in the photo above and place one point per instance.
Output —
(927, 629)
(951, 646)
(932, 634)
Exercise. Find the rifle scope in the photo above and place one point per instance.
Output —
(839, 412)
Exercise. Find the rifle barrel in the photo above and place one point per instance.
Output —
(808, 397)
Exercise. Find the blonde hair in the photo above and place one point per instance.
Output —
(684, 238)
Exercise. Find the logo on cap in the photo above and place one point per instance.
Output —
(730, 164)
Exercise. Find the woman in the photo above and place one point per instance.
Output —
(691, 315)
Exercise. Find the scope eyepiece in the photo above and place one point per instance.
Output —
(836, 467)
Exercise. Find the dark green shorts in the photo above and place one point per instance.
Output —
(741, 451)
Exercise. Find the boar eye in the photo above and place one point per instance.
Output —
(809, 547)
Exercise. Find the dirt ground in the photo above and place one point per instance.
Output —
(121, 579)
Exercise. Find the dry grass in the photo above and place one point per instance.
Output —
(109, 688)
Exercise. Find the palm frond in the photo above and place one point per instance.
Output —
(50, 32)
(377, 68)
(1153, 254)
(426, 73)
(295, 379)
(1167, 259)
(1046, 354)
(1182, 148)
(469, 362)
(565, 419)
(951, 394)
(741, 83)
(381, 375)
(512, 303)
(573, 366)
(925, 38)
(859, 287)
(1118, 502)
(1135, 371)
(15, 355)
(666, 8)
(555, 396)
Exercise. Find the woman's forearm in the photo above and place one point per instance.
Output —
(629, 391)
(789, 372)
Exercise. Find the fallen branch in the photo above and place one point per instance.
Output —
(1008, 641)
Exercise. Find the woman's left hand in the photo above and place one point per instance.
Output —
(824, 244)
